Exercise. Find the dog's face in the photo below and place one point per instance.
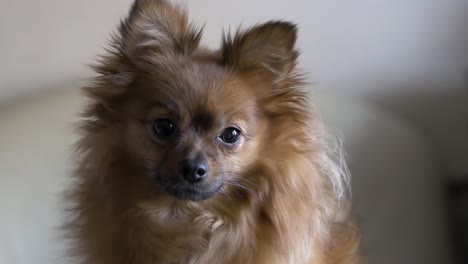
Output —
(194, 128)
(194, 120)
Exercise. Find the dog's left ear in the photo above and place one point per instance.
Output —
(267, 49)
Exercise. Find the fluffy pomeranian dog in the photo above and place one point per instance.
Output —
(190, 155)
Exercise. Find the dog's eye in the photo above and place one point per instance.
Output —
(230, 135)
(163, 127)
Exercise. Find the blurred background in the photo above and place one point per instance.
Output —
(389, 76)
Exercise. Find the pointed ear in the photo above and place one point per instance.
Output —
(159, 26)
(268, 48)
(153, 28)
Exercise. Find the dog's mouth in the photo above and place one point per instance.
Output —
(193, 192)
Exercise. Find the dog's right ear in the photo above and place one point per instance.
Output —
(159, 26)
(266, 50)
(153, 29)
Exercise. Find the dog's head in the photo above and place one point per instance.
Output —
(190, 119)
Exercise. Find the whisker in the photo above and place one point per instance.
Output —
(227, 195)
(238, 194)
(240, 186)
(248, 181)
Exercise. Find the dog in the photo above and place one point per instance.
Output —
(192, 155)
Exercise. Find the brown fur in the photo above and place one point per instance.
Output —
(284, 197)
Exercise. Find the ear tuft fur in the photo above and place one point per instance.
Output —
(153, 28)
(160, 26)
(269, 46)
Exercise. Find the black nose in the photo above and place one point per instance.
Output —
(193, 170)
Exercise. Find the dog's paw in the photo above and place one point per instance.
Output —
(211, 221)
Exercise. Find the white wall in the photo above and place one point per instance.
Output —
(406, 56)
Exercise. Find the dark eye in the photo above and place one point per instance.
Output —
(230, 135)
(163, 127)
